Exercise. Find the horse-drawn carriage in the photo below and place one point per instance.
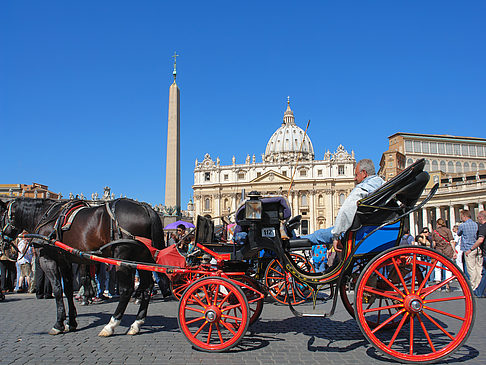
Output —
(393, 291)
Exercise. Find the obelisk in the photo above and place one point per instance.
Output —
(173, 165)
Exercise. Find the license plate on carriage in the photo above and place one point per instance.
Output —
(268, 232)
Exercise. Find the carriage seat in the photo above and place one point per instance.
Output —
(394, 198)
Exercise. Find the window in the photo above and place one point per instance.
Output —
(259, 174)
(303, 172)
(425, 147)
(320, 200)
(427, 165)
(472, 150)
(416, 147)
(341, 199)
(481, 166)
(408, 146)
(284, 173)
(449, 148)
(226, 177)
(459, 167)
(443, 166)
(450, 166)
(207, 204)
(433, 147)
(303, 200)
(474, 167)
(464, 150)
(466, 167)
(304, 224)
(207, 176)
(226, 204)
(340, 169)
(481, 150)
(319, 172)
(409, 162)
(435, 166)
(457, 149)
(241, 175)
(441, 148)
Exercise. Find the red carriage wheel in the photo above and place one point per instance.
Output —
(181, 282)
(432, 324)
(255, 300)
(348, 286)
(277, 281)
(213, 314)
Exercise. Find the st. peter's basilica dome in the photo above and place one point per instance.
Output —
(286, 143)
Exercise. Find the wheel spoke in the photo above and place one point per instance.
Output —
(200, 328)
(438, 326)
(209, 333)
(388, 321)
(445, 313)
(194, 309)
(427, 276)
(383, 308)
(426, 333)
(228, 327)
(400, 275)
(230, 307)
(397, 331)
(383, 294)
(195, 320)
(414, 267)
(446, 299)
(223, 300)
(198, 301)
(219, 333)
(280, 274)
(411, 335)
(234, 318)
(389, 283)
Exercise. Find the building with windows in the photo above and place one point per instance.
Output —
(457, 164)
(319, 186)
(35, 190)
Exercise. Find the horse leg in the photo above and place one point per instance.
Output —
(126, 279)
(145, 287)
(67, 275)
(51, 269)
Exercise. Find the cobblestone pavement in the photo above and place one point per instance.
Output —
(277, 338)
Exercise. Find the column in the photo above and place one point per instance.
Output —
(452, 215)
(437, 213)
(312, 213)
(425, 218)
(413, 231)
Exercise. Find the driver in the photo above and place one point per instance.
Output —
(367, 182)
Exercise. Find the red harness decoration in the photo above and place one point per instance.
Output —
(168, 256)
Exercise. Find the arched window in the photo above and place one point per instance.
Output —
(409, 162)
(226, 204)
(435, 166)
(320, 200)
(442, 166)
(427, 165)
(341, 198)
(474, 167)
(303, 200)
(207, 204)
(459, 167)
(450, 166)
(481, 166)
(466, 167)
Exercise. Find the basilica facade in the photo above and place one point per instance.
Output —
(315, 188)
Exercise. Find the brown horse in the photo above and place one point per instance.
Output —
(92, 228)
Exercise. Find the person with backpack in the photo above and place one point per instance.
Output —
(443, 241)
(407, 238)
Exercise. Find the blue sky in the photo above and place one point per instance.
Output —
(84, 85)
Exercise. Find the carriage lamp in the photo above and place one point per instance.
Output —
(253, 207)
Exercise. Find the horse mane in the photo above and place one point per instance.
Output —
(30, 210)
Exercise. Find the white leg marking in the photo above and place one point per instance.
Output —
(109, 329)
(135, 327)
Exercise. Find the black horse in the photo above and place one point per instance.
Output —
(91, 229)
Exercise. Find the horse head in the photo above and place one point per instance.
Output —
(8, 231)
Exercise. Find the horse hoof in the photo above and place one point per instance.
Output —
(106, 333)
(68, 328)
(135, 327)
(54, 331)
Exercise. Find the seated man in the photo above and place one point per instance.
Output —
(367, 182)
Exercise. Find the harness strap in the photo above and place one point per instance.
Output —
(117, 225)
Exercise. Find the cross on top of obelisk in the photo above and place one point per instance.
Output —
(175, 62)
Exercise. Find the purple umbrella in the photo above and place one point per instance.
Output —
(175, 224)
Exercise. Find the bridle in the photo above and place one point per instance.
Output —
(7, 222)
